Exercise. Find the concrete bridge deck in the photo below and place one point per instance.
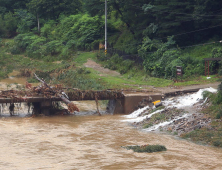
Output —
(14, 96)
(125, 101)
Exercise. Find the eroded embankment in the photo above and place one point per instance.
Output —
(178, 115)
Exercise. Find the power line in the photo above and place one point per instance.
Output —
(184, 47)
(141, 8)
(172, 35)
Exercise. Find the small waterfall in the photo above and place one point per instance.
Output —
(139, 119)
(187, 100)
(20, 109)
(176, 102)
(111, 106)
(152, 128)
(137, 112)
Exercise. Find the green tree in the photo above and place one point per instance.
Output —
(26, 22)
(52, 9)
(80, 30)
(11, 5)
(8, 25)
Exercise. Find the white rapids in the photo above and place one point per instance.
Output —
(176, 102)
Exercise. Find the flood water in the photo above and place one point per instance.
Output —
(93, 142)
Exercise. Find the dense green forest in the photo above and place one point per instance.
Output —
(155, 34)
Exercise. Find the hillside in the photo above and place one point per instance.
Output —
(63, 42)
(156, 36)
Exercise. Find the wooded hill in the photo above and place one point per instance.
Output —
(157, 34)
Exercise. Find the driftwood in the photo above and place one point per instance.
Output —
(71, 106)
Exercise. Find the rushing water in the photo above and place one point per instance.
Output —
(93, 142)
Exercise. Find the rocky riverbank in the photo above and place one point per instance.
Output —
(177, 115)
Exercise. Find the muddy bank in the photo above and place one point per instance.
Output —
(177, 115)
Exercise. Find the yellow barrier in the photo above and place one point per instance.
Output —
(155, 102)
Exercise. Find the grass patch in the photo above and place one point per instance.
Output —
(122, 82)
(82, 57)
(198, 80)
(211, 135)
(145, 126)
(133, 76)
(163, 116)
(206, 136)
(146, 148)
(200, 52)
(158, 108)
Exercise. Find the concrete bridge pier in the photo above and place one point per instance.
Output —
(42, 107)
(130, 103)
(45, 107)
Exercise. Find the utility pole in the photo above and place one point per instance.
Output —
(105, 27)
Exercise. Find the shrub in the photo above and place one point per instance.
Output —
(36, 48)
(81, 81)
(15, 50)
(45, 75)
(102, 57)
(116, 59)
(146, 148)
(54, 47)
(27, 21)
(8, 25)
(81, 70)
(147, 125)
(218, 98)
(219, 114)
(48, 28)
(2, 27)
(206, 94)
(22, 41)
(217, 143)
(81, 28)
(126, 66)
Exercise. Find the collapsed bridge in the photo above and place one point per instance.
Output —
(42, 99)
(16, 96)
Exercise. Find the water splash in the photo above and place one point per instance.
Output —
(187, 100)
(139, 119)
(155, 127)
(177, 102)
(136, 113)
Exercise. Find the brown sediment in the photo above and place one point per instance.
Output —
(94, 142)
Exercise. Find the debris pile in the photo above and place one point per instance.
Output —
(178, 115)
(54, 93)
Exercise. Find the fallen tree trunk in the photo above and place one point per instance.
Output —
(71, 106)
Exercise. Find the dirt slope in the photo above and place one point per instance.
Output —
(104, 71)
(99, 68)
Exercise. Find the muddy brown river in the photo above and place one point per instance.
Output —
(93, 142)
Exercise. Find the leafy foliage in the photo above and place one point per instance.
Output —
(27, 21)
(153, 29)
(159, 60)
(52, 9)
(73, 32)
(8, 25)
(80, 30)
(218, 99)
(79, 79)
(147, 148)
